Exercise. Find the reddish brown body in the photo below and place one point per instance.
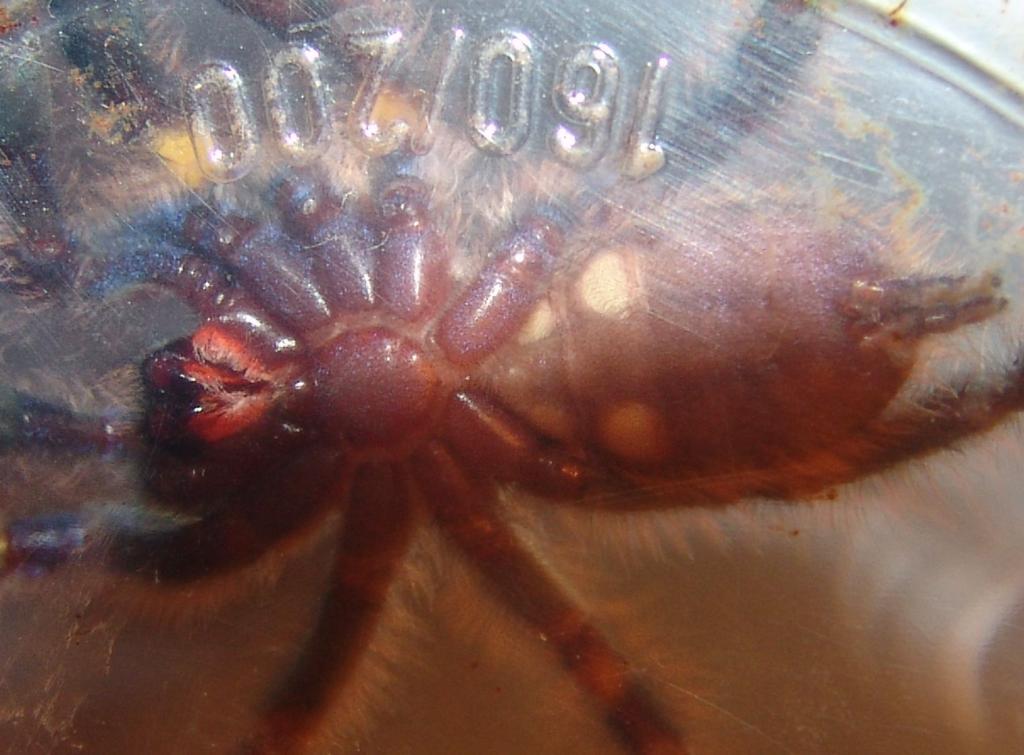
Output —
(365, 350)
(721, 364)
(340, 364)
(715, 363)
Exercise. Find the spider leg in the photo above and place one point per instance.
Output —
(465, 512)
(39, 545)
(371, 543)
(778, 43)
(34, 257)
(29, 422)
(487, 437)
(499, 300)
(272, 504)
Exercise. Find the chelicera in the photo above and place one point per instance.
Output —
(340, 364)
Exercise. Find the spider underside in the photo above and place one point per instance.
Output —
(367, 386)
(340, 364)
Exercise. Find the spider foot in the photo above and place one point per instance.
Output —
(904, 309)
(39, 545)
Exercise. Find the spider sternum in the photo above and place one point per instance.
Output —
(378, 389)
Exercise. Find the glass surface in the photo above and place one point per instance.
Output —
(882, 615)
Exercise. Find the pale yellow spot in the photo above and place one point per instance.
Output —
(393, 105)
(646, 161)
(540, 324)
(174, 148)
(606, 286)
(635, 431)
(552, 420)
(394, 110)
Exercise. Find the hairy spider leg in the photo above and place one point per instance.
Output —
(27, 421)
(779, 42)
(466, 511)
(271, 510)
(495, 446)
(37, 545)
(370, 544)
(281, 504)
(487, 437)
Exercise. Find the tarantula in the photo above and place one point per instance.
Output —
(368, 383)
(342, 363)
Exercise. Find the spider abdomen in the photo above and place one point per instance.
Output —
(738, 359)
(729, 362)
